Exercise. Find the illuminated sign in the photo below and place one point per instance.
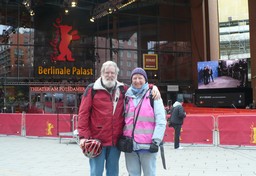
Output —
(66, 55)
(150, 62)
(75, 71)
(64, 34)
(57, 89)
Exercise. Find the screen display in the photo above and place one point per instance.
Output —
(232, 100)
(229, 97)
(222, 74)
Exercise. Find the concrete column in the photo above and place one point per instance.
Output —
(214, 53)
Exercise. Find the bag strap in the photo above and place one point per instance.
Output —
(151, 98)
(136, 117)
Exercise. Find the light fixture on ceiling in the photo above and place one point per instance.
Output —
(110, 10)
(125, 3)
(31, 12)
(66, 11)
(109, 7)
(68, 4)
(73, 3)
(92, 19)
(27, 4)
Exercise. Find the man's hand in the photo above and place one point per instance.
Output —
(81, 143)
(155, 93)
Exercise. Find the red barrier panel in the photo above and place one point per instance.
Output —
(64, 123)
(196, 129)
(47, 124)
(234, 129)
(41, 125)
(10, 124)
(237, 129)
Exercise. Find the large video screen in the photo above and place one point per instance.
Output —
(222, 74)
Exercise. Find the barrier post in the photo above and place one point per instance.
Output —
(23, 124)
(216, 134)
(216, 138)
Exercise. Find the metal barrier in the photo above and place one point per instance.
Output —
(227, 129)
(197, 129)
(237, 129)
(73, 134)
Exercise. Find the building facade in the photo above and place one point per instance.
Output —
(49, 56)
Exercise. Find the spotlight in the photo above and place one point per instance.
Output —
(92, 19)
(109, 7)
(73, 3)
(66, 11)
(110, 10)
(125, 3)
(26, 3)
(32, 13)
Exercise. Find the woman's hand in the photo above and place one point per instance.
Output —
(155, 93)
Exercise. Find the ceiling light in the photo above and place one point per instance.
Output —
(110, 11)
(73, 3)
(32, 13)
(109, 7)
(125, 3)
(92, 19)
(66, 11)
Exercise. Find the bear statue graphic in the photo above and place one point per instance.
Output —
(64, 34)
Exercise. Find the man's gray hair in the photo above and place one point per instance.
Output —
(107, 64)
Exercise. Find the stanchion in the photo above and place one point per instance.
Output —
(23, 124)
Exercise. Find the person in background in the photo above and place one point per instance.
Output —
(206, 75)
(101, 118)
(176, 120)
(148, 122)
(210, 75)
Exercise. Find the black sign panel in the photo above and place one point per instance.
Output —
(61, 48)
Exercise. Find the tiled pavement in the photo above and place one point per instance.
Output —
(21, 156)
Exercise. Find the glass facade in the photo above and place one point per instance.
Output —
(58, 50)
(234, 32)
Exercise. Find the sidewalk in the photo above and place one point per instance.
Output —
(20, 156)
